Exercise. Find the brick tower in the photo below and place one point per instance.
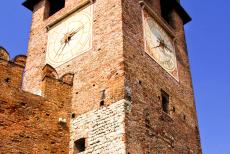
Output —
(128, 65)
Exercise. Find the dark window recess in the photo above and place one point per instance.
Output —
(103, 94)
(174, 109)
(166, 11)
(184, 117)
(79, 145)
(147, 123)
(55, 6)
(73, 115)
(102, 103)
(165, 101)
(147, 118)
(7, 80)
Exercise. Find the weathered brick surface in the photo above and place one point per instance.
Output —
(104, 129)
(96, 70)
(29, 123)
(114, 70)
(173, 133)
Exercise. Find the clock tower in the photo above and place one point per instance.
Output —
(132, 89)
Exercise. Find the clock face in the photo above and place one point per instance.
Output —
(70, 37)
(160, 47)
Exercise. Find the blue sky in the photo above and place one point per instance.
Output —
(209, 50)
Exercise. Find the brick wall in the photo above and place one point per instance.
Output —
(116, 68)
(148, 128)
(101, 68)
(30, 123)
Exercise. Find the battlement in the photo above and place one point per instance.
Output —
(19, 60)
(11, 70)
(12, 73)
(30, 122)
(109, 88)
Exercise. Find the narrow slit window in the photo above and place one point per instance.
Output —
(79, 145)
(55, 6)
(165, 101)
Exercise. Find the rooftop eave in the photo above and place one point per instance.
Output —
(29, 4)
(184, 15)
(181, 11)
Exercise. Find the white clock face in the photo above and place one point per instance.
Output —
(70, 37)
(159, 46)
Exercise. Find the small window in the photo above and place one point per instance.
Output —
(102, 103)
(55, 6)
(166, 11)
(165, 101)
(79, 145)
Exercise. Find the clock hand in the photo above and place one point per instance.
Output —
(76, 31)
(69, 35)
(60, 50)
(162, 45)
(65, 40)
(159, 45)
(166, 47)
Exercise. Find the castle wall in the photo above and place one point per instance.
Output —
(30, 123)
(11, 74)
(149, 129)
(110, 95)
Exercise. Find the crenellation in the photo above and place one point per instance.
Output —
(49, 71)
(106, 94)
(20, 60)
(4, 55)
(68, 78)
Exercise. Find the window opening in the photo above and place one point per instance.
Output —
(55, 6)
(165, 101)
(166, 11)
(79, 145)
(102, 103)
